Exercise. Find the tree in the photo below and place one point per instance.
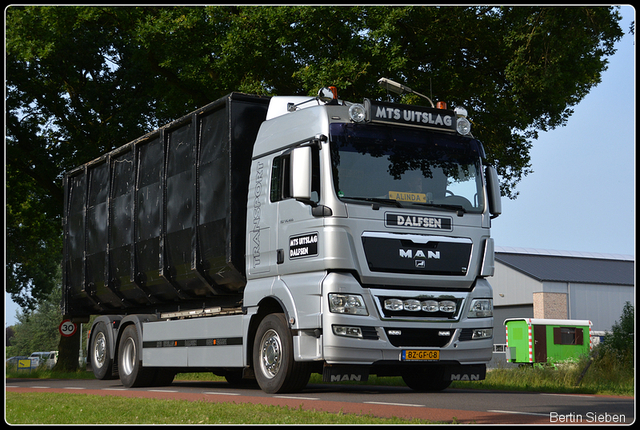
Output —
(37, 330)
(84, 80)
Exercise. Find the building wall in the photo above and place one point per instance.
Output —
(601, 304)
(502, 313)
(550, 305)
(512, 288)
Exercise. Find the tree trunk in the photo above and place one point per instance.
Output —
(68, 353)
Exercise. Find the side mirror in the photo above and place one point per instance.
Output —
(493, 190)
(301, 173)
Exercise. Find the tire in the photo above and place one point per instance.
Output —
(275, 369)
(426, 379)
(163, 376)
(132, 374)
(101, 361)
(235, 378)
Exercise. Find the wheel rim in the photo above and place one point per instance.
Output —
(100, 350)
(128, 357)
(271, 353)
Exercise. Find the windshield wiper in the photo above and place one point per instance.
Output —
(458, 208)
(381, 201)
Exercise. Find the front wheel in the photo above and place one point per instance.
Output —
(275, 369)
(427, 379)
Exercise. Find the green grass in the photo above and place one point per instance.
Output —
(606, 376)
(54, 408)
(43, 373)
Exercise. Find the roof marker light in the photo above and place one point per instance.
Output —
(463, 126)
(357, 113)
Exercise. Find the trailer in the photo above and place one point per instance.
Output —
(268, 238)
(537, 340)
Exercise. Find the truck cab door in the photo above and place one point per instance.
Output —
(295, 189)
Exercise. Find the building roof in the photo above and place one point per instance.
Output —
(562, 266)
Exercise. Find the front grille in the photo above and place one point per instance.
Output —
(418, 337)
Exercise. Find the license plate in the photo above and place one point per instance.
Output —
(420, 355)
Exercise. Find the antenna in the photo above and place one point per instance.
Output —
(397, 88)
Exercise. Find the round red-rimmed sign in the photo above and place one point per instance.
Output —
(67, 328)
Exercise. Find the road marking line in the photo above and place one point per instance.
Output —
(395, 404)
(164, 391)
(517, 412)
(38, 386)
(114, 389)
(221, 394)
(73, 388)
(297, 398)
(564, 395)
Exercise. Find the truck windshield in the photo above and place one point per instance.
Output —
(406, 167)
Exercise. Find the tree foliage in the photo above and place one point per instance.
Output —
(37, 330)
(83, 80)
(620, 341)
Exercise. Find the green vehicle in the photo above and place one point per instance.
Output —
(535, 340)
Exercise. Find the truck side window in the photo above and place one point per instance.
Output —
(280, 174)
(281, 177)
(315, 178)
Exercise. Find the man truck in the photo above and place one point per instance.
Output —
(269, 238)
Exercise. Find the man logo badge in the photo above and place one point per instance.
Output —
(408, 253)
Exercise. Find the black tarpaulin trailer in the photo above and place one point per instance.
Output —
(159, 223)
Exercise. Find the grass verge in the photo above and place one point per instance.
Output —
(53, 408)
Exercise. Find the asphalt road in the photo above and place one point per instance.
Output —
(451, 405)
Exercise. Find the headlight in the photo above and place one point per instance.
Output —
(481, 308)
(393, 305)
(430, 306)
(447, 306)
(482, 333)
(351, 304)
(412, 305)
(341, 330)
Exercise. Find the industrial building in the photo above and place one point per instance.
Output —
(534, 283)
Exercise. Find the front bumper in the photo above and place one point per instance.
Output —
(385, 338)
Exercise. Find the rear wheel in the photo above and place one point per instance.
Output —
(275, 369)
(132, 374)
(163, 377)
(101, 361)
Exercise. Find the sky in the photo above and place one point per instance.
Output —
(581, 194)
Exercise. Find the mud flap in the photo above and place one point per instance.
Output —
(474, 372)
(345, 373)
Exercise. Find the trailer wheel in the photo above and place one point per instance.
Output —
(101, 361)
(132, 374)
(427, 379)
(275, 369)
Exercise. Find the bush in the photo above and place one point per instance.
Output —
(618, 345)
